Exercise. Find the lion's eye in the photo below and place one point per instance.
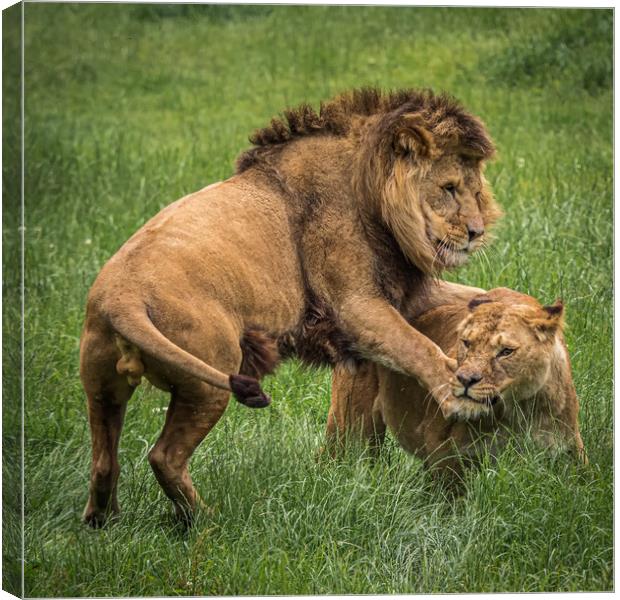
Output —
(505, 352)
(466, 343)
(451, 189)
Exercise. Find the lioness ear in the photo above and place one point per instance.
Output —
(555, 310)
(552, 318)
(413, 138)
(478, 300)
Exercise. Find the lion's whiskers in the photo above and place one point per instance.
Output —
(440, 251)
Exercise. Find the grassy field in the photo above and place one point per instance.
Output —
(129, 107)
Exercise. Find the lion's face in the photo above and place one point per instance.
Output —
(457, 207)
(435, 198)
(504, 351)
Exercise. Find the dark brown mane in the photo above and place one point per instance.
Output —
(443, 115)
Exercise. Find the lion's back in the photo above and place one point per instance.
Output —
(228, 236)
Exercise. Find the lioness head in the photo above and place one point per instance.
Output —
(505, 348)
(428, 163)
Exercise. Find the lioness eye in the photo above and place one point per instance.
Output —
(466, 343)
(505, 352)
(450, 188)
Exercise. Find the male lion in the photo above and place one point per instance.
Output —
(513, 375)
(327, 233)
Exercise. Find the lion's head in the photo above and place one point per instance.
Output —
(506, 348)
(415, 161)
(425, 167)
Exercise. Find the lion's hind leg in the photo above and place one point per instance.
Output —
(107, 393)
(194, 410)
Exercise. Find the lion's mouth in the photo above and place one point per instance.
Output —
(463, 246)
(450, 254)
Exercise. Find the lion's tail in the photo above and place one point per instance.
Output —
(136, 327)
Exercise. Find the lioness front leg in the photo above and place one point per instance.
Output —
(385, 337)
(351, 413)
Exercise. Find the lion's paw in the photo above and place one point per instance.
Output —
(98, 518)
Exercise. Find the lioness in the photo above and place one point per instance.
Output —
(327, 233)
(513, 374)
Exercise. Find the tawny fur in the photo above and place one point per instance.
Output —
(331, 228)
(532, 388)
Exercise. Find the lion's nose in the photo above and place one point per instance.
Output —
(468, 379)
(474, 232)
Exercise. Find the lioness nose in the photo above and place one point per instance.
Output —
(468, 379)
(474, 232)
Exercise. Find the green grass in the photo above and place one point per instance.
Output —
(130, 107)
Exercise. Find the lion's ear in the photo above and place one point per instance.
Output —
(411, 137)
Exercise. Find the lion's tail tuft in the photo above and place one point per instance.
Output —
(247, 390)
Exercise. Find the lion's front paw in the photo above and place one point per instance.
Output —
(458, 409)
